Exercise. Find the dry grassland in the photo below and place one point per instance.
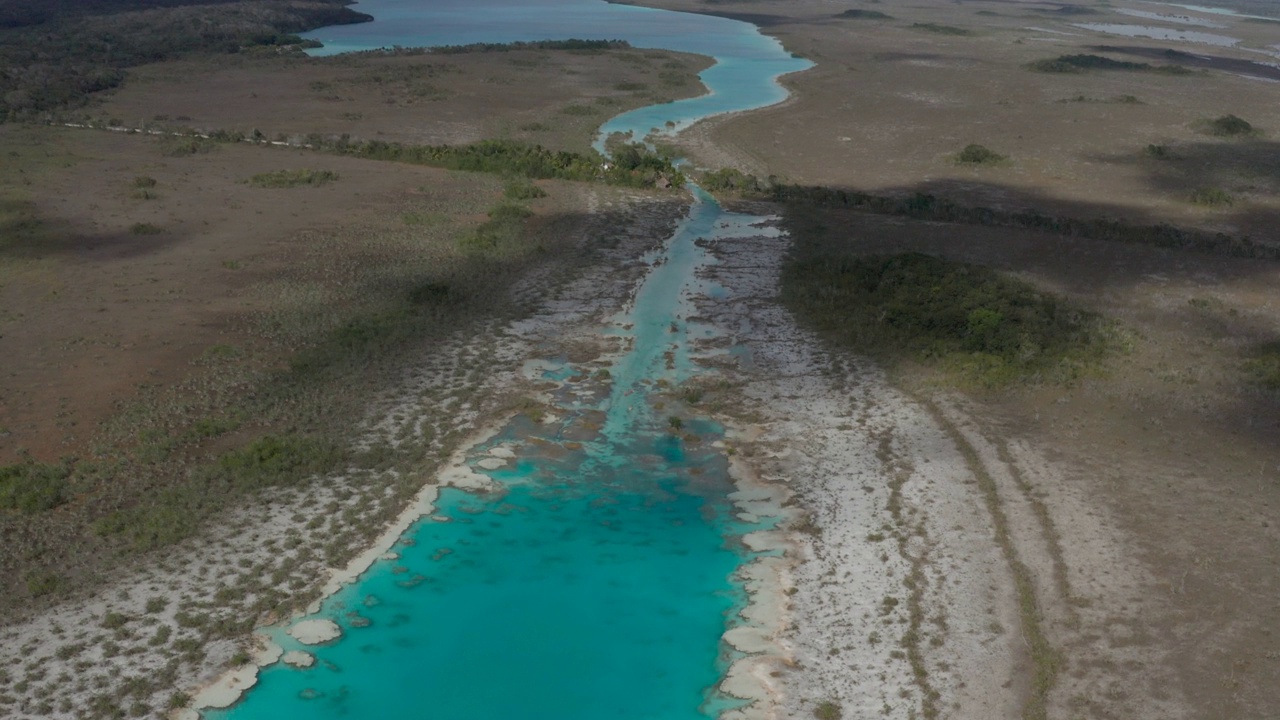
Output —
(166, 303)
(553, 98)
(890, 104)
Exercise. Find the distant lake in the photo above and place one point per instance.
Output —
(745, 76)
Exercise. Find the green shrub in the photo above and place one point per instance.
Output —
(142, 181)
(42, 583)
(31, 487)
(1228, 126)
(974, 154)
(1082, 63)
(1264, 367)
(828, 710)
(1159, 152)
(1212, 197)
(985, 328)
(520, 189)
(186, 146)
(145, 229)
(940, 29)
(292, 178)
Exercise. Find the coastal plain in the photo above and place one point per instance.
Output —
(1103, 546)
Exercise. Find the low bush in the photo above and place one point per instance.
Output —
(1083, 63)
(1264, 367)
(186, 146)
(730, 180)
(940, 29)
(31, 487)
(521, 189)
(499, 233)
(978, 155)
(1212, 197)
(1228, 126)
(859, 14)
(828, 710)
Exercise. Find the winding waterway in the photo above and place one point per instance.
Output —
(598, 580)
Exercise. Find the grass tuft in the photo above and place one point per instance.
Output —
(293, 178)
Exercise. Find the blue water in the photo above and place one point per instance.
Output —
(598, 581)
(745, 76)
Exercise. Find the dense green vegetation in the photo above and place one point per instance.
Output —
(632, 164)
(731, 180)
(269, 461)
(982, 327)
(55, 53)
(293, 178)
(570, 44)
(929, 207)
(1084, 63)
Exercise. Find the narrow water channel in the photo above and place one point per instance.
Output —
(596, 582)
(598, 579)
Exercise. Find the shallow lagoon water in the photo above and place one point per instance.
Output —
(596, 583)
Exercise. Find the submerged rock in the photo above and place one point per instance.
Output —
(299, 659)
(315, 632)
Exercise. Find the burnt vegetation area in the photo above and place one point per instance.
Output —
(56, 54)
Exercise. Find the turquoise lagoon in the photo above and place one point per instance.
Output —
(745, 76)
(598, 580)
